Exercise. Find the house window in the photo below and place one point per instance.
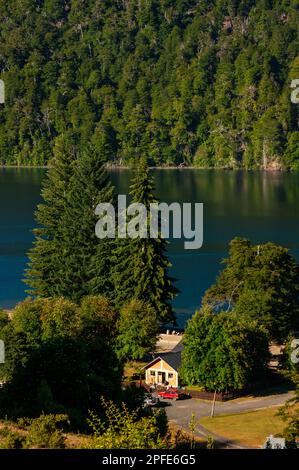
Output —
(170, 376)
(153, 373)
(160, 373)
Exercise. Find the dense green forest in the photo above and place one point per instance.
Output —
(203, 83)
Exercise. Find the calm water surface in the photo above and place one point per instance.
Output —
(257, 205)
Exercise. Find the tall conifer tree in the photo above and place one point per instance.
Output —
(77, 263)
(42, 274)
(141, 264)
(87, 259)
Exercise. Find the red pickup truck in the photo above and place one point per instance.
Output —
(171, 393)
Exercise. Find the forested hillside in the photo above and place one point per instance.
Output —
(204, 83)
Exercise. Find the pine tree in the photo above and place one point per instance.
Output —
(42, 274)
(68, 259)
(141, 264)
(86, 259)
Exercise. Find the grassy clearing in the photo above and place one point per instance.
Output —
(196, 388)
(132, 368)
(250, 428)
(72, 441)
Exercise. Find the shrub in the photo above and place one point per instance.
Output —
(122, 429)
(10, 439)
(44, 432)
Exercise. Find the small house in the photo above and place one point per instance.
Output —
(164, 370)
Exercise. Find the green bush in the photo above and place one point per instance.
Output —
(44, 432)
(10, 439)
(124, 429)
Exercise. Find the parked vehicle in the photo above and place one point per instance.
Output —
(171, 394)
(150, 400)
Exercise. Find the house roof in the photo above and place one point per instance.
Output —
(173, 359)
(169, 343)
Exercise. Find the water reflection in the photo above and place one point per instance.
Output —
(258, 205)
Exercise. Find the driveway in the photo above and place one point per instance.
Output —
(180, 412)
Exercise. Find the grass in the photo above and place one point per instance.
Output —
(72, 440)
(133, 367)
(251, 428)
(196, 388)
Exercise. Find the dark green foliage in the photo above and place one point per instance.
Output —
(27, 319)
(206, 83)
(161, 421)
(290, 412)
(3, 319)
(141, 265)
(137, 330)
(46, 260)
(222, 352)
(259, 282)
(98, 317)
(86, 267)
(68, 259)
(17, 351)
(59, 361)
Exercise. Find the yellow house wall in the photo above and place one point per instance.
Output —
(161, 366)
(164, 366)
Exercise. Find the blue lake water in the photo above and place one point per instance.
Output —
(257, 205)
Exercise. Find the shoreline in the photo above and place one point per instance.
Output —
(125, 167)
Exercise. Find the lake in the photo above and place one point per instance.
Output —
(258, 205)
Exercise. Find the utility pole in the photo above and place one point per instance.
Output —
(213, 405)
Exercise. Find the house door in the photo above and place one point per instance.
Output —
(161, 377)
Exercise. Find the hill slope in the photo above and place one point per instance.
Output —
(205, 83)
